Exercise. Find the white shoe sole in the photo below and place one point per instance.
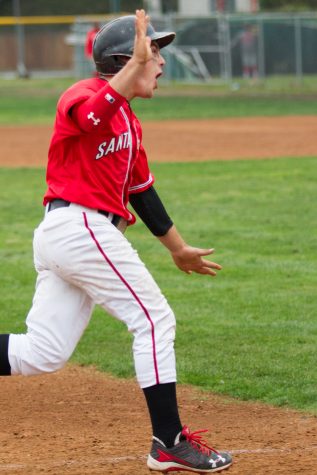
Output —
(166, 467)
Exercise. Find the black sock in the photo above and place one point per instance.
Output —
(162, 404)
(5, 368)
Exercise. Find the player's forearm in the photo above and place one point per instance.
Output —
(172, 240)
(125, 81)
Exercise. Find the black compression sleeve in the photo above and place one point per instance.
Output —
(150, 208)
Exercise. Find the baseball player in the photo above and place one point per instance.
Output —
(248, 41)
(96, 166)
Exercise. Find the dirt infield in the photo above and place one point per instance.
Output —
(185, 140)
(82, 422)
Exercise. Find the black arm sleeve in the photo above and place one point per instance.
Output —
(150, 208)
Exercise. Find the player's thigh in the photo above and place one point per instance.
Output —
(118, 280)
(86, 250)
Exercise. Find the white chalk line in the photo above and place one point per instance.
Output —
(271, 450)
(132, 458)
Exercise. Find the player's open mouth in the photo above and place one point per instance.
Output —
(158, 75)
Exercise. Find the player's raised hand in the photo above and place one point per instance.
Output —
(142, 45)
(138, 78)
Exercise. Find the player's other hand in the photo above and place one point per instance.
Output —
(191, 259)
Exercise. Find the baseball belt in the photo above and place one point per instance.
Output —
(118, 221)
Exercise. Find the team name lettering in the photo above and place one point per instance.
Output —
(114, 145)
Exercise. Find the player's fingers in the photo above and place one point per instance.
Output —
(205, 252)
(140, 13)
(211, 264)
(142, 43)
(206, 271)
(201, 270)
(141, 23)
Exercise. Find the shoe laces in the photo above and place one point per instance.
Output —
(196, 440)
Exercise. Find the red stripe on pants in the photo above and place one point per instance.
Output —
(130, 290)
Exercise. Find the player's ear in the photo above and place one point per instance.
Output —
(121, 60)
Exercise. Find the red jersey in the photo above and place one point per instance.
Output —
(96, 159)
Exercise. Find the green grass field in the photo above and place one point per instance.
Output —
(251, 332)
(34, 101)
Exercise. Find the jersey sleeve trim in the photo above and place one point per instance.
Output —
(143, 186)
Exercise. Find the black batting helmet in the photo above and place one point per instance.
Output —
(115, 41)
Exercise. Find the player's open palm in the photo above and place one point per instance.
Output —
(142, 45)
(191, 259)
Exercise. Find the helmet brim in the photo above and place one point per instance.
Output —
(163, 38)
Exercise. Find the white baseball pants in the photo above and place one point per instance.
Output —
(83, 260)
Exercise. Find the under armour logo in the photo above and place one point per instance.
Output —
(91, 116)
(218, 459)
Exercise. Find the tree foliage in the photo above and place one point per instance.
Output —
(69, 7)
(84, 7)
(288, 5)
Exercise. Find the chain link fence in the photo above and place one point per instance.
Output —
(216, 48)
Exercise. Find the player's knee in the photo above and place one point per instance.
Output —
(40, 358)
(46, 364)
(166, 324)
(162, 327)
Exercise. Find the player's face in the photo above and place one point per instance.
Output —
(153, 70)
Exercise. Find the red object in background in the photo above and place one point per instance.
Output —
(221, 5)
(254, 6)
(90, 40)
